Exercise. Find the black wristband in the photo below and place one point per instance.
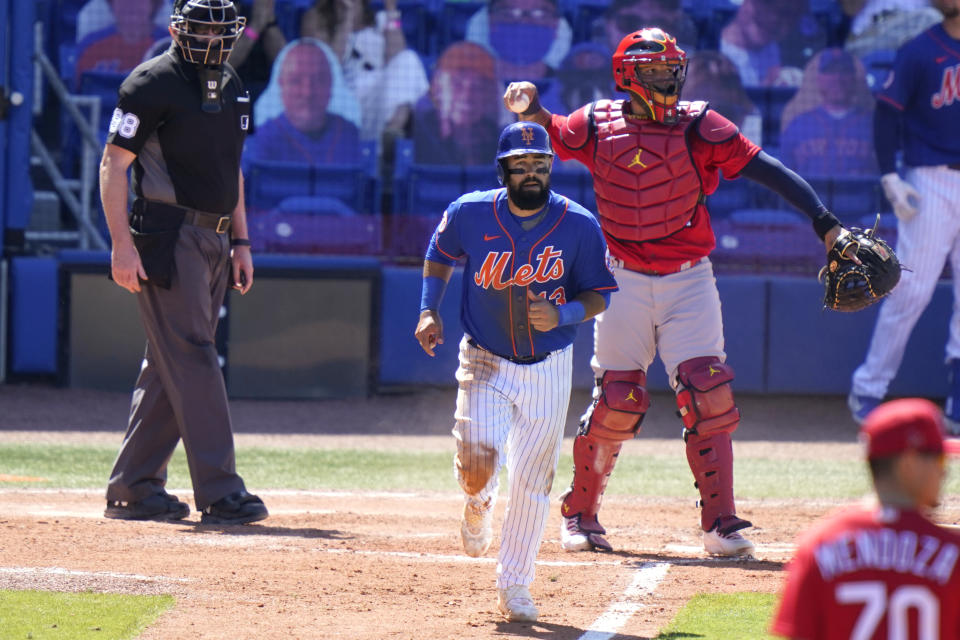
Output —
(824, 222)
(240, 242)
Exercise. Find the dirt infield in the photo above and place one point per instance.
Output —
(389, 565)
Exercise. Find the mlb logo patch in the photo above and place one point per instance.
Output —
(245, 122)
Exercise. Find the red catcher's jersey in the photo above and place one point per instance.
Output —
(874, 573)
(576, 137)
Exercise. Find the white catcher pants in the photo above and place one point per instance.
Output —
(677, 315)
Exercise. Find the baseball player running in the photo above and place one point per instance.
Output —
(918, 113)
(654, 160)
(535, 268)
(882, 570)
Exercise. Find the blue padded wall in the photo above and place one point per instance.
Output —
(33, 315)
(816, 351)
(402, 361)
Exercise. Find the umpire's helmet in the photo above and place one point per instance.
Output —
(206, 30)
(649, 64)
(521, 138)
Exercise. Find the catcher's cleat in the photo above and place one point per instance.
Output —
(160, 506)
(725, 539)
(476, 529)
(860, 406)
(573, 537)
(516, 604)
(239, 507)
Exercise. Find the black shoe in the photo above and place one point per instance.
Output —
(160, 506)
(239, 507)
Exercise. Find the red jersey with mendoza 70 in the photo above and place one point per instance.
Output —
(651, 179)
(873, 573)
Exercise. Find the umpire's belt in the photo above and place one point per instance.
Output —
(516, 360)
(203, 219)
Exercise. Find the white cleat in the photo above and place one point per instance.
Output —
(573, 537)
(726, 544)
(476, 529)
(516, 604)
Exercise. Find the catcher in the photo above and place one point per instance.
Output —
(654, 159)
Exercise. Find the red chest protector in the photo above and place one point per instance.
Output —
(645, 182)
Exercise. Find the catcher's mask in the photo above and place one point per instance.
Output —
(206, 30)
(649, 64)
(518, 139)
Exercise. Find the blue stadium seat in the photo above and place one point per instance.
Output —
(417, 18)
(324, 205)
(432, 187)
(849, 197)
(453, 17)
(730, 196)
(768, 218)
(771, 101)
(269, 183)
(878, 65)
(582, 14)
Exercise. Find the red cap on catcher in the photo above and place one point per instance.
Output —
(901, 425)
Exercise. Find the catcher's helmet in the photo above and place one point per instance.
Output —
(206, 30)
(649, 48)
(521, 138)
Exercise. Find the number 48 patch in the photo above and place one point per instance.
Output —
(125, 124)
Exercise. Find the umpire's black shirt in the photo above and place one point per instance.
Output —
(185, 156)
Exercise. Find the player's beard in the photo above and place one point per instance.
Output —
(530, 199)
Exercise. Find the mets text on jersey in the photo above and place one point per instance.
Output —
(494, 268)
(949, 88)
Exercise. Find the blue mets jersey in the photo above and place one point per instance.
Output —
(925, 85)
(560, 257)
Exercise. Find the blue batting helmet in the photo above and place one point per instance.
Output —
(521, 138)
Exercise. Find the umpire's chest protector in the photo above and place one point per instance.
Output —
(645, 182)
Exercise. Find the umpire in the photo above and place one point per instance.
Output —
(180, 121)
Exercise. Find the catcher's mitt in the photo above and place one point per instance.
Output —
(851, 286)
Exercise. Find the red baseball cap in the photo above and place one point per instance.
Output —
(902, 425)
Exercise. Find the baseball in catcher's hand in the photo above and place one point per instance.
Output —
(517, 97)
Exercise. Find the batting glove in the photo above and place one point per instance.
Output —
(901, 195)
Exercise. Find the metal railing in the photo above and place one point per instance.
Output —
(75, 193)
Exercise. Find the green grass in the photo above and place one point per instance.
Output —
(87, 467)
(728, 616)
(77, 616)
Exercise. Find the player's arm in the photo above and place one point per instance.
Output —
(544, 315)
(240, 252)
(887, 127)
(523, 99)
(771, 173)
(572, 136)
(429, 332)
(125, 264)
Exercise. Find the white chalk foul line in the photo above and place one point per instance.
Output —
(649, 575)
(439, 557)
(57, 571)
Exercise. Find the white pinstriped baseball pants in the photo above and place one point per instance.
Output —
(517, 410)
(923, 246)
